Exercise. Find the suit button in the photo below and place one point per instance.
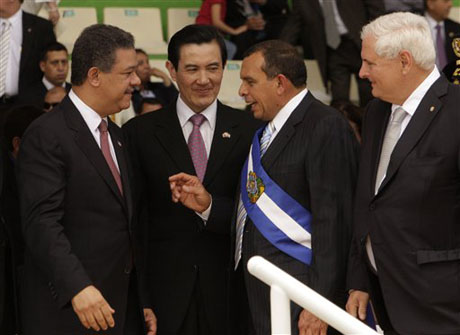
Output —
(195, 267)
(127, 271)
(372, 207)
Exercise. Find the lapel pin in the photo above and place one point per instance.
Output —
(29, 30)
(119, 144)
(451, 34)
(432, 109)
(226, 135)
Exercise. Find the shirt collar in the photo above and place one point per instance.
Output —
(184, 112)
(432, 22)
(411, 104)
(15, 19)
(49, 85)
(91, 117)
(280, 119)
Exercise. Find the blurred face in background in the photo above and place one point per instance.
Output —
(55, 67)
(143, 69)
(439, 9)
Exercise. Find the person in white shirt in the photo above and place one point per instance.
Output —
(405, 253)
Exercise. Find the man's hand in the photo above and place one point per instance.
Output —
(92, 309)
(255, 22)
(357, 304)
(150, 321)
(189, 191)
(162, 75)
(311, 325)
(53, 12)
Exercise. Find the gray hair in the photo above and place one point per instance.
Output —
(396, 32)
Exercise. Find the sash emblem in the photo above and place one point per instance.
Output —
(254, 186)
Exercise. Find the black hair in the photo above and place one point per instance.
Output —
(195, 34)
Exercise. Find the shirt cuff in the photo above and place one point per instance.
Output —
(205, 215)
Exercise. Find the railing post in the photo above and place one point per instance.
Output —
(280, 310)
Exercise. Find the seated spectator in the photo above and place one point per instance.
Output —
(54, 64)
(212, 12)
(53, 97)
(352, 113)
(11, 240)
(165, 92)
(245, 12)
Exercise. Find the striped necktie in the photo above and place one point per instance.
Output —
(241, 214)
(4, 53)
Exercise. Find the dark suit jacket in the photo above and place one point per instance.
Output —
(77, 227)
(314, 159)
(35, 94)
(37, 33)
(452, 30)
(183, 252)
(413, 220)
(307, 17)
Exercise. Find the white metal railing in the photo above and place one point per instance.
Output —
(285, 288)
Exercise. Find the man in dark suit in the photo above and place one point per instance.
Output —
(27, 35)
(73, 177)
(333, 28)
(443, 30)
(12, 242)
(406, 239)
(309, 151)
(54, 64)
(188, 250)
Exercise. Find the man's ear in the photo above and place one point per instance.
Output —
(94, 76)
(407, 61)
(171, 70)
(281, 83)
(42, 65)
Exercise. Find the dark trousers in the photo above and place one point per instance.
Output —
(344, 62)
(134, 322)
(195, 322)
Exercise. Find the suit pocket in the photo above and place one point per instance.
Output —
(434, 256)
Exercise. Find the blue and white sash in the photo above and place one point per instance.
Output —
(278, 217)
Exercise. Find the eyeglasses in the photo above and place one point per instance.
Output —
(47, 105)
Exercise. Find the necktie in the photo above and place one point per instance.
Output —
(197, 147)
(4, 53)
(440, 49)
(330, 25)
(241, 214)
(104, 136)
(391, 138)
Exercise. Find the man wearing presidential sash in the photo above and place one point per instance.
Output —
(296, 187)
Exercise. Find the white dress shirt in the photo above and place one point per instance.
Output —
(49, 85)
(340, 25)
(14, 56)
(184, 113)
(280, 119)
(93, 120)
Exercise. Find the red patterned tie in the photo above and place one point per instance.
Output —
(104, 136)
(197, 147)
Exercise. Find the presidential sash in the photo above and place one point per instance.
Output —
(278, 216)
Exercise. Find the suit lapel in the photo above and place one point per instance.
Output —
(382, 115)
(286, 132)
(169, 132)
(27, 40)
(122, 165)
(427, 110)
(88, 145)
(221, 145)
